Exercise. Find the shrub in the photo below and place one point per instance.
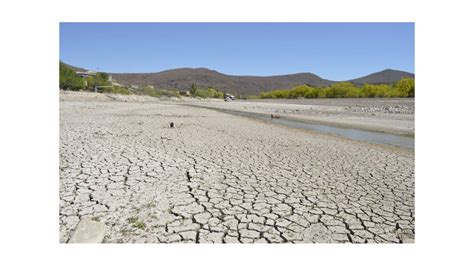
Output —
(403, 88)
(117, 90)
(151, 92)
(68, 80)
(208, 93)
(299, 91)
(275, 94)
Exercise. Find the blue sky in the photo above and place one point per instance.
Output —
(336, 51)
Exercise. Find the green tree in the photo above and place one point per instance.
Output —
(100, 79)
(299, 91)
(405, 87)
(214, 93)
(343, 90)
(193, 89)
(68, 80)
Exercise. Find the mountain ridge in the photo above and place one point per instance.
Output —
(184, 78)
(385, 76)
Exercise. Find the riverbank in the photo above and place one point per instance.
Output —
(221, 178)
(388, 115)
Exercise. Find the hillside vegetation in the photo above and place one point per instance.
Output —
(69, 80)
(405, 87)
(244, 86)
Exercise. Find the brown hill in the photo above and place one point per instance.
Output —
(183, 78)
(383, 77)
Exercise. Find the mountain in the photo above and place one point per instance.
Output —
(183, 78)
(382, 77)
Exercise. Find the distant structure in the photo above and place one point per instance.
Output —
(86, 74)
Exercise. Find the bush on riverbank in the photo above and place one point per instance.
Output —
(402, 89)
(116, 90)
(150, 91)
(208, 93)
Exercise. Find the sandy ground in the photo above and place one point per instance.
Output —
(218, 178)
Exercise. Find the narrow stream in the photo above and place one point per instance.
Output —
(351, 133)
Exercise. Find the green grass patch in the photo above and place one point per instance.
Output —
(135, 222)
(139, 225)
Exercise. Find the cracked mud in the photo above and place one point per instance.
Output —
(218, 178)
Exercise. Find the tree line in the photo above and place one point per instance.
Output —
(404, 88)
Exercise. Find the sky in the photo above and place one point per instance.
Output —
(335, 51)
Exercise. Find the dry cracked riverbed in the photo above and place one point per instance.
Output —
(218, 178)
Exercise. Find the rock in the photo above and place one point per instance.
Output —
(88, 231)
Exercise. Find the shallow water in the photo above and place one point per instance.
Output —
(351, 133)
